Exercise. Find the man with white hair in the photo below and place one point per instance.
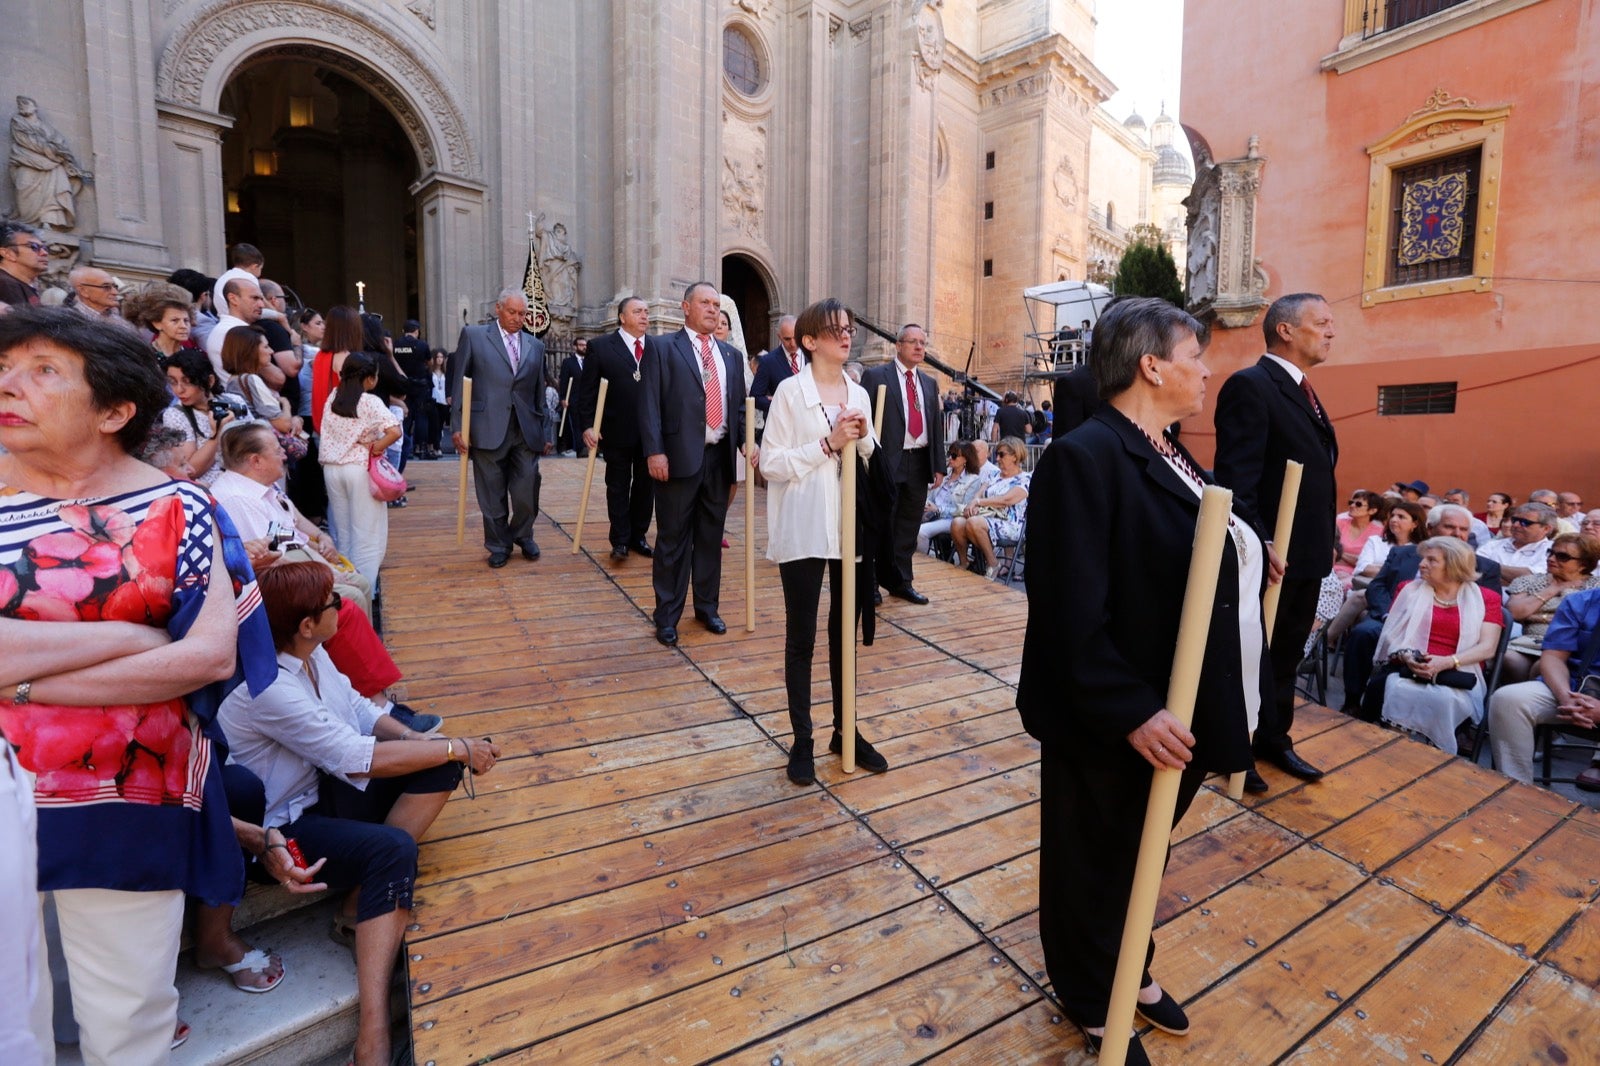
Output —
(1527, 549)
(97, 295)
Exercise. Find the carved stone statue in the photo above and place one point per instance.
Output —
(1227, 283)
(561, 266)
(741, 196)
(1202, 281)
(930, 42)
(44, 172)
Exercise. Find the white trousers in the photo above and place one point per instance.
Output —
(360, 523)
(122, 956)
(22, 965)
(1514, 711)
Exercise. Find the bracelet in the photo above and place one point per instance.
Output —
(1457, 660)
(449, 750)
(827, 449)
(23, 695)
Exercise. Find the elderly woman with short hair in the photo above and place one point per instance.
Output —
(952, 496)
(997, 514)
(1532, 600)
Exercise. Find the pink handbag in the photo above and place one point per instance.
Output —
(387, 483)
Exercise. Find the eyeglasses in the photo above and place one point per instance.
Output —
(96, 285)
(32, 246)
(335, 603)
(1565, 557)
(838, 332)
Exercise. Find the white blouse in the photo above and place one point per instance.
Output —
(802, 479)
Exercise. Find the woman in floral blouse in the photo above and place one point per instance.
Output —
(356, 425)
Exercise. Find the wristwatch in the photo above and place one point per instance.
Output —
(23, 695)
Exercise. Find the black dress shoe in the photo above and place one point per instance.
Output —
(877, 597)
(802, 767)
(1254, 783)
(909, 594)
(530, 549)
(667, 635)
(712, 622)
(1164, 1014)
(642, 548)
(1286, 760)
(867, 757)
(619, 551)
(499, 559)
(1136, 1055)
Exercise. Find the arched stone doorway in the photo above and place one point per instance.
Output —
(742, 280)
(316, 173)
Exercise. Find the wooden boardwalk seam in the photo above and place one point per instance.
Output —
(638, 881)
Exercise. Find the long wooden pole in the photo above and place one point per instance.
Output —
(1205, 561)
(847, 604)
(466, 437)
(877, 419)
(749, 516)
(588, 474)
(566, 402)
(1288, 500)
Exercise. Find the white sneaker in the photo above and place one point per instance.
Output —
(990, 571)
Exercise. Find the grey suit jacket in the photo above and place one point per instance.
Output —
(501, 400)
(672, 402)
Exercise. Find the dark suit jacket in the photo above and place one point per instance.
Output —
(1110, 528)
(1077, 398)
(672, 403)
(499, 398)
(570, 371)
(1263, 420)
(771, 370)
(609, 358)
(892, 446)
(1401, 566)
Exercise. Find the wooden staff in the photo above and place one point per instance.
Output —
(566, 402)
(847, 602)
(877, 419)
(466, 437)
(588, 474)
(749, 516)
(1194, 625)
(1288, 500)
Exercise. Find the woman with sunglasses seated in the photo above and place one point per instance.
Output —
(1533, 600)
(348, 782)
(997, 515)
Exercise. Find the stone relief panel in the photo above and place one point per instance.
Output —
(930, 42)
(1226, 282)
(756, 9)
(423, 9)
(46, 177)
(1065, 181)
(744, 176)
(559, 266)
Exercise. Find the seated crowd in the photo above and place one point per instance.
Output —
(1429, 607)
(220, 685)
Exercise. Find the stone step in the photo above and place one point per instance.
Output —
(309, 1018)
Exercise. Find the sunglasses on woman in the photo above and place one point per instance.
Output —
(335, 603)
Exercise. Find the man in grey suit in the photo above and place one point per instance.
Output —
(691, 418)
(506, 366)
(913, 448)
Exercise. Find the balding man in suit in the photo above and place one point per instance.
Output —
(618, 359)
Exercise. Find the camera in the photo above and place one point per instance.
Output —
(227, 405)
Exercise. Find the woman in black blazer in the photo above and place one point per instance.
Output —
(1111, 519)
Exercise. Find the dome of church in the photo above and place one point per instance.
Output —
(1134, 121)
(1171, 167)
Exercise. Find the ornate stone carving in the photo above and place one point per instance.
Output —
(1438, 100)
(756, 9)
(45, 175)
(201, 39)
(560, 267)
(930, 42)
(423, 9)
(860, 27)
(1226, 281)
(744, 176)
(1066, 182)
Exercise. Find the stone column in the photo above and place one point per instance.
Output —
(450, 272)
(1241, 283)
(190, 153)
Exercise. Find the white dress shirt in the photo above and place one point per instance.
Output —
(1504, 551)
(1292, 370)
(803, 501)
(258, 511)
(711, 382)
(214, 339)
(918, 440)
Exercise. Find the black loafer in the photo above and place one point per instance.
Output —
(1136, 1055)
(1254, 783)
(667, 635)
(1164, 1014)
(642, 548)
(877, 597)
(1286, 760)
(530, 550)
(619, 552)
(910, 595)
(499, 559)
(802, 768)
(867, 757)
(712, 622)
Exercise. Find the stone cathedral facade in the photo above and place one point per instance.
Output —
(921, 159)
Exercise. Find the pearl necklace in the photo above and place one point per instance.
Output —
(1169, 451)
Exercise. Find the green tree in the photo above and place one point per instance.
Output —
(1147, 268)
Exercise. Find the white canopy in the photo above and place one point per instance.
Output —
(1073, 301)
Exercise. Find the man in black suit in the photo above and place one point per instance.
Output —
(912, 446)
(691, 418)
(1268, 414)
(1077, 398)
(1361, 643)
(782, 362)
(618, 358)
(571, 372)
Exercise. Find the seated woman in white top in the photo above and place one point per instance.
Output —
(954, 493)
(813, 415)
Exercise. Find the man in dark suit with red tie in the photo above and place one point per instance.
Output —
(618, 359)
(782, 362)
(1268, 414)
(691, 419)
(912, 448)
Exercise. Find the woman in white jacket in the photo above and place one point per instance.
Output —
(814, 414)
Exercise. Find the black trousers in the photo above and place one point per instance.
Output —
(690, 512)
(1091, 812)
(912, 499)
(1297, 610)
(802, 589)
(630, 494)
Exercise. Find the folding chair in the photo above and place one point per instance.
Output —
(1492, 673)
(1009, 554)
(1546, 745)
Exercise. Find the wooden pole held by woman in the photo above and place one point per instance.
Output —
(1288, 500)
(749, 517)
(847, 606)
(461, 488)
(1194, 625)
(566, 402)
(588, 474)
(877, 419)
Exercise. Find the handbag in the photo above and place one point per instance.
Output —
(387, 483)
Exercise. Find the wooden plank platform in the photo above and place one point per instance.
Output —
(638, 881)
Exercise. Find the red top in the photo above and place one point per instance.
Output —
(324, 379)
(1444, 634)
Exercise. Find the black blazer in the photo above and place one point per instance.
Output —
(1110, 529)
(892, 445)
(1077, 398)
(1402, 565)
(570, 371)
(771, 370)
(610, 358)
(1263, 420)
(672, 403)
